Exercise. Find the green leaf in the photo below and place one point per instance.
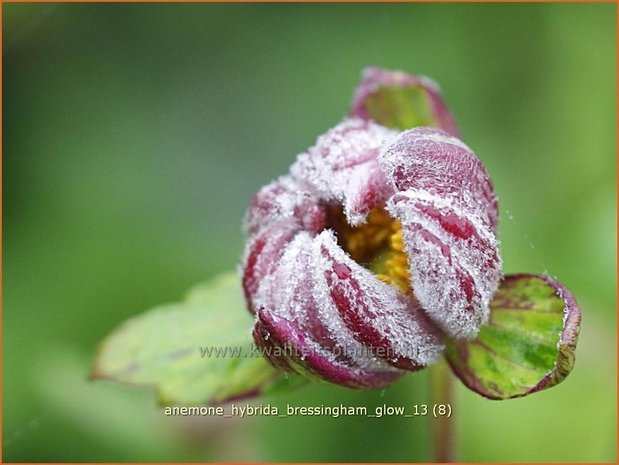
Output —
(165, 348)
(529, 343)
(401, 107)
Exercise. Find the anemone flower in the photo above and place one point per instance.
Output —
(378, 249)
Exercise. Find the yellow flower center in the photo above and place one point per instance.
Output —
(377, 245)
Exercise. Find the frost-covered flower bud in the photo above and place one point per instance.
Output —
(375, 245)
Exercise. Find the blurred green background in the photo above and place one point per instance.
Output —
(135, 135)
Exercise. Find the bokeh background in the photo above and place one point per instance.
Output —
(135, 135)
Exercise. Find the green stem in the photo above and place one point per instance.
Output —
(441, 427)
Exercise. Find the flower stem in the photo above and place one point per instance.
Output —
(442, 426)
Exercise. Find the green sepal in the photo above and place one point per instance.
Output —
(528, 344)
(401, 107)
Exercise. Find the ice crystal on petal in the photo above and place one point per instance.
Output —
(454, 263)
(294, 309)
(378, 314)
(311, 359)
(447, 208)
(431, 160)
(276, 214)
(283, 202)
(343, 167)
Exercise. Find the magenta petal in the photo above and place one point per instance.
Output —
(261, 258)
(272, 348)
(284, 202)
(342, 167)
(379, 316)
(454, 261)
(374, 78)
(287, 305)
(448, 211)
(430, 160)
(276, 215)
(308, 358)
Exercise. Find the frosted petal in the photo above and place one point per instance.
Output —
(378, 315)
(262, 254)
(308, 358)
(454, 262)
(448, 211)
(319, 341)
(284, 201)
(272, 348)
(276, 214)
(342, 167)
(431, 160)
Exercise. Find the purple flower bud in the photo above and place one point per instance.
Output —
(373, 247)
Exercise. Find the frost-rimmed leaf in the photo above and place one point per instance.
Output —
(527, 346)
(162, 348)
